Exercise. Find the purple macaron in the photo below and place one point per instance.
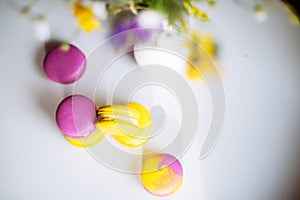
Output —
(64, 64)
(76, 116)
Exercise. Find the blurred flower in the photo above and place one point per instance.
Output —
(195, 11)
(202, 53)
(89, 13)
(260, 13)
(131, 29)
(86, 17)
(176, 10)
(293, 15)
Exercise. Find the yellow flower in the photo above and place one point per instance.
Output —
(86, 18)
(202, 53)
(260, 13)
(195, 11)
(293, 15)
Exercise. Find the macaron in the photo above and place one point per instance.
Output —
(89, 141)
(65, 63)
(162, 174)
(76, 116)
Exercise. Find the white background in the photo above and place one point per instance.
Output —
(256, 157)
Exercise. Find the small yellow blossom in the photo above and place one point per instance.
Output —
(260, 13)
(196, 12)
(202, 53)
(86, 18)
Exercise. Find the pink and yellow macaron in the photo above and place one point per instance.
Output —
(76, 118)
(162, 174)
(84, 125)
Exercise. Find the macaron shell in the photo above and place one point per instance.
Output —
(76, 116)
(65, 64)
(89, 141)
(162, 174)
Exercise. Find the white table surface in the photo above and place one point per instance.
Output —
(256, 157)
